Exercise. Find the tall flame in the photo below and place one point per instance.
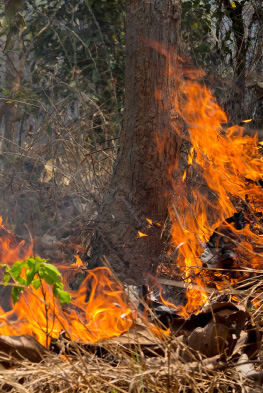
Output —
(228, 163)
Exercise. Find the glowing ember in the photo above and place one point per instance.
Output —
(140, 234)
(151, 223)
(247, 121)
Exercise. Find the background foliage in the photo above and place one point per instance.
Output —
(62, 88)
(225, 38)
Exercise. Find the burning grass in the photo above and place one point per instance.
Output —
(139, 361)
(102, 342)
(218, 349)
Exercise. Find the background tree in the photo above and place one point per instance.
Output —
(140, 184)
(67, 108)
(13, 25)
(225, 39)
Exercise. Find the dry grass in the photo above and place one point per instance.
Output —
(135, 364)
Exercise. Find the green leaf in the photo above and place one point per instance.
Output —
(15, 293)
(52, 268)
(7, 277)
(31, 262)
(59, 285)
(30, 274)
(52, 271)
(45, 271)
(17, 268)
(36, 283)
(44, 276)
(61, 295)
(34, 265)
(21, 281)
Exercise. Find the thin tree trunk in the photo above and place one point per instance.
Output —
(10, 108)
(15, 61)
(236, 105)
(140, 185)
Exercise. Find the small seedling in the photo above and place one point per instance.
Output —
(36, 269)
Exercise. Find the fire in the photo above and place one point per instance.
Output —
(98, 309)
(227, 168)
(11, 249)
(222, 178)
(78, 262)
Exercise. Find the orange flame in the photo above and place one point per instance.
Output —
(230, 165)
(78, 262)
(228, 168)
(98, 309)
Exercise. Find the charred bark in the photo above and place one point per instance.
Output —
(140, 185)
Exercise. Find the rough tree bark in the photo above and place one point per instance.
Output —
(140, 184)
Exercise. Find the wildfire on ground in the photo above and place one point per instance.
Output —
(217, 207)
(98, 309)
(221, 160)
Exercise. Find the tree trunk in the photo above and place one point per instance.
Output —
(140, 185)
(15, 61)
(236, 105)
(10, 109)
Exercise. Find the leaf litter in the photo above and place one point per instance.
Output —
(217, 350)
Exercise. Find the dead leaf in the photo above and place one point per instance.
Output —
(48, 171)
(136, 335)
(243, 367)
(22, 347)
(205, 315)
(211, 340)
(241, 343)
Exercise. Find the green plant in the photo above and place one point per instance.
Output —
(36, 269)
